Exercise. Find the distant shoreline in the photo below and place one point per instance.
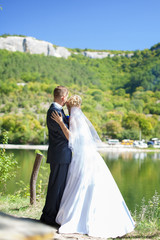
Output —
(104, 149)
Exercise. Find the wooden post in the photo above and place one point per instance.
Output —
(33, 179)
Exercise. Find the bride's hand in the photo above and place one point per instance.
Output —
(56, 117)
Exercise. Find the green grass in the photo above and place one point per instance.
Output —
(21, 207)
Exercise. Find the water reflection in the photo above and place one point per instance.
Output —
(137, 173)
(132, 155)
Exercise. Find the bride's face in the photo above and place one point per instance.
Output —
(68, 107)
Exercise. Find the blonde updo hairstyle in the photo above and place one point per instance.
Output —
(74, 101)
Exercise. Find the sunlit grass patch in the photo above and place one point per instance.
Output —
(148, 218)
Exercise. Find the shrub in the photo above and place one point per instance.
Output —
(7, 163)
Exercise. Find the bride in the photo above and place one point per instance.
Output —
(92, 203)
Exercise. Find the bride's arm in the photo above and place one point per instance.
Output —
(58, 118)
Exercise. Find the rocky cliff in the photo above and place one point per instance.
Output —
(104, 54)
(34, 46)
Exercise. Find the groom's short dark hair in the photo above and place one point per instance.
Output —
(60, 91)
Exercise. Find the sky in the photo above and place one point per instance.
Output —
(92, 24)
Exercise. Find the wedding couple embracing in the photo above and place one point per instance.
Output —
(82, 195)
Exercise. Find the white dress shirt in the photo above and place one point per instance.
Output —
(57, 105)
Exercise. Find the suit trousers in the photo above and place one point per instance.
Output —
(56, 185)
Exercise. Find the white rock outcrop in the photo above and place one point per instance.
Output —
(104, 54)
(12, 43)
(96, 54)
(62, 52)
(129, 55)
(32, 46)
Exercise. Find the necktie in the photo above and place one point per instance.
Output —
(63, 112)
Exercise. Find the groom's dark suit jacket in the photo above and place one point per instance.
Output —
(58, 150)
(59, 157)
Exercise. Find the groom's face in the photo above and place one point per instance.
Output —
(65, 99)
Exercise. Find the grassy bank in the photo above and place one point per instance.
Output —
(21, 207)
(147, 220)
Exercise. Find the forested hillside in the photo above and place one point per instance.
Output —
(121, 95)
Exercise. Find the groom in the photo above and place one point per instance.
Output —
(59, 157)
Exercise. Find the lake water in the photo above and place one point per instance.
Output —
(137, 174)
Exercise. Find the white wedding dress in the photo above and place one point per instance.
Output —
(92, 203)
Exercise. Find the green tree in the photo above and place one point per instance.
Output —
(113, 129)
(145, 125)
(7, 163)
(132, 134)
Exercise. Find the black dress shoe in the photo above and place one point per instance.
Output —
(56, 225)
(52, 224)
